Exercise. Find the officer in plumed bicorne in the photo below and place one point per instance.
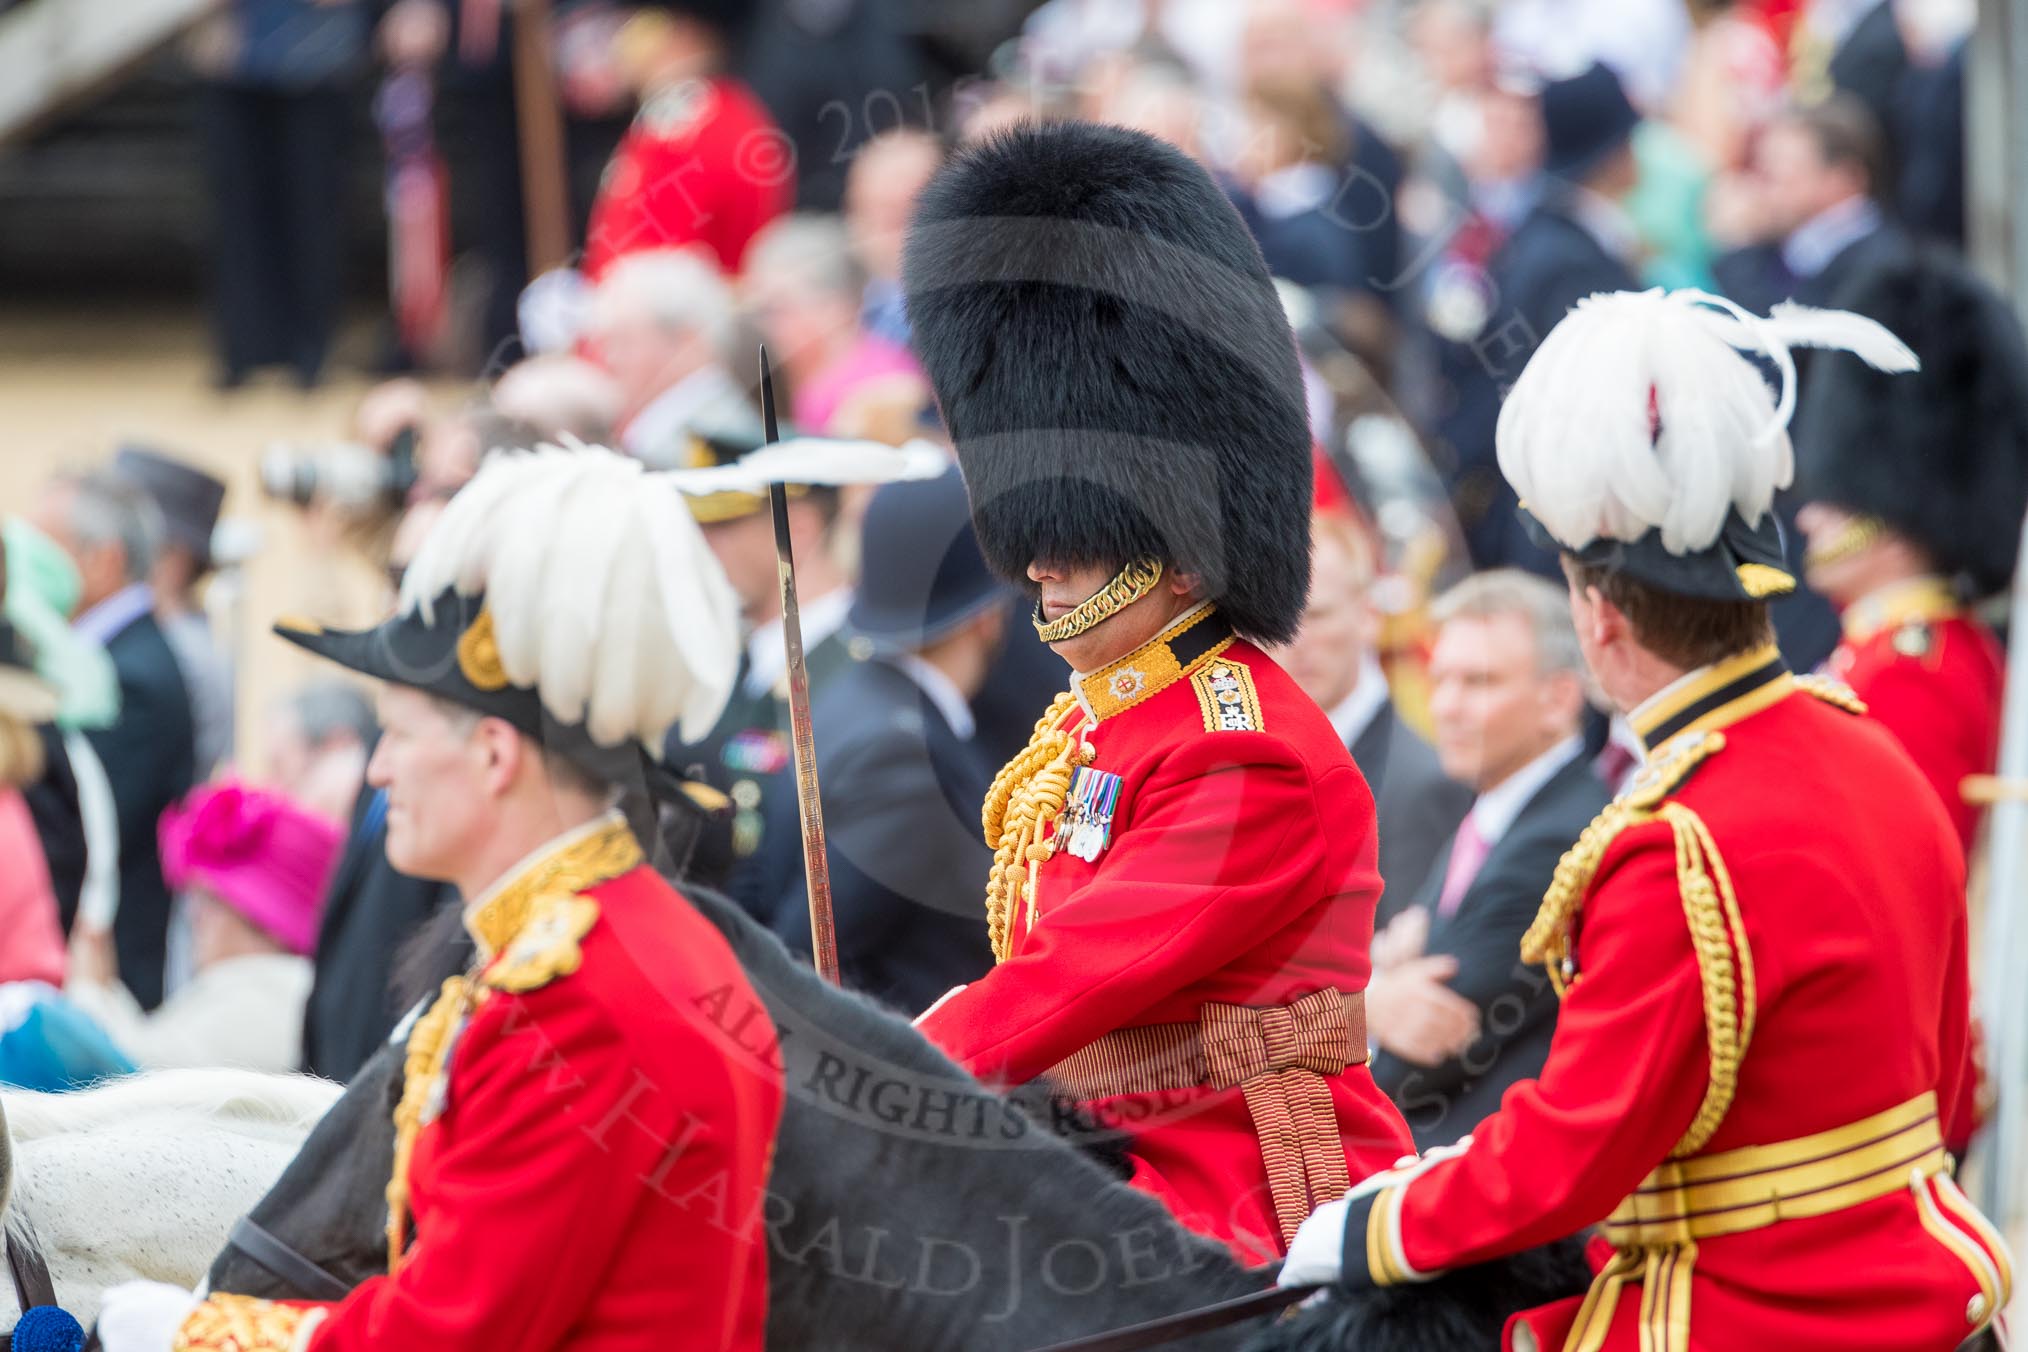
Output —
(580, 1150)
(1760, 945)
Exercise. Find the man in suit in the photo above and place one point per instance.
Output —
(111, 530)
(1462, 1018)
(1332, 659)
(1821, 171)
(899, 762)
(1576, 240)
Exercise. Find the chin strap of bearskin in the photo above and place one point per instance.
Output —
(1129, 585)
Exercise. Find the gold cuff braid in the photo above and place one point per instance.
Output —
(226, 1323)
(1129, 585)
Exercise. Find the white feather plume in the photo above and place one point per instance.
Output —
(603, 594)
(1642, 411)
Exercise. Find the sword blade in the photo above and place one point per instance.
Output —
(810, 808)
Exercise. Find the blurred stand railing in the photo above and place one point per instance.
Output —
(56, 53)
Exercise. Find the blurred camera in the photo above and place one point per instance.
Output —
(344, 475)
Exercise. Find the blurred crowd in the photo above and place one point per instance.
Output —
(1434, 182)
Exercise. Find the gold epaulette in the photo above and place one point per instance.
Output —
(1717, 933)
(1832, 691)
(546, 946)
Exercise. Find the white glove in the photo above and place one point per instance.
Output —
(1317, 1253)
(143, 1316)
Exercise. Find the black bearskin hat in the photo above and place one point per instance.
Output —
(1114, 366)
(1940, 455)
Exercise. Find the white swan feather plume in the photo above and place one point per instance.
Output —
(603, 595)
(1644, 411)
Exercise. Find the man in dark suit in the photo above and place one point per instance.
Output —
(1820, 171)
(1576, 240)
(1332, 659)
(901, 774)
(111, 530)
(1457, 1017)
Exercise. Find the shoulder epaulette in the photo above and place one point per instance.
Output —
(546, 946)
(1832, 691)
(1225, 695)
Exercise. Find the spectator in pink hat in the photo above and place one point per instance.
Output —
(254, 866)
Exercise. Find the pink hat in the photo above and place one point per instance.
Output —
(260, 854)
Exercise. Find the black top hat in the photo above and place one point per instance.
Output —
(1585, 119)
(187, 497)
(920, 570)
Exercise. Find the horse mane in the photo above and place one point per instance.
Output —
(243, 1096)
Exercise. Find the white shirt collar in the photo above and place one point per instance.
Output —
(108, 619)
(767, 662)
(1812, 245)
(939, 690)
(1294, 190)
(553, 845)
(1497, 807)
(1356, 712)
(659, 433)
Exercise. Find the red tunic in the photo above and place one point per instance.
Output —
(1934, 677)
(702, 164)
(1239, 870)
(1851, 889)
(594, 1174)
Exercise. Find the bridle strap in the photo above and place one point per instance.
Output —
(28, 1268)
(310, 1281)
(25, 1263)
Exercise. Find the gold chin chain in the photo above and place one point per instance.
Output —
(1129, 585)
(1025, 797)
(1854, 536)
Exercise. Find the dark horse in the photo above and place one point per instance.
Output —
(911, 1207)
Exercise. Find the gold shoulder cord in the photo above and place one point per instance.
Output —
(429, 1046)
(1717, 931)
(1026, 796)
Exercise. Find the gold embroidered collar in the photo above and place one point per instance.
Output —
(1713, 697)
(1919, 599)
(1191, 639)
(598, 851)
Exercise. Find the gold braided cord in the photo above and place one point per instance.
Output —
(1548, 939)
(1716, 934)
(429, 1047)
(1026, 796)
(1129, 585)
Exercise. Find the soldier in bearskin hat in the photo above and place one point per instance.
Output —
(1183, 884)
(1760, 945)
(564, 1100)
(1915, 489)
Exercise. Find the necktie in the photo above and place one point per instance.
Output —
(1468, 854)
